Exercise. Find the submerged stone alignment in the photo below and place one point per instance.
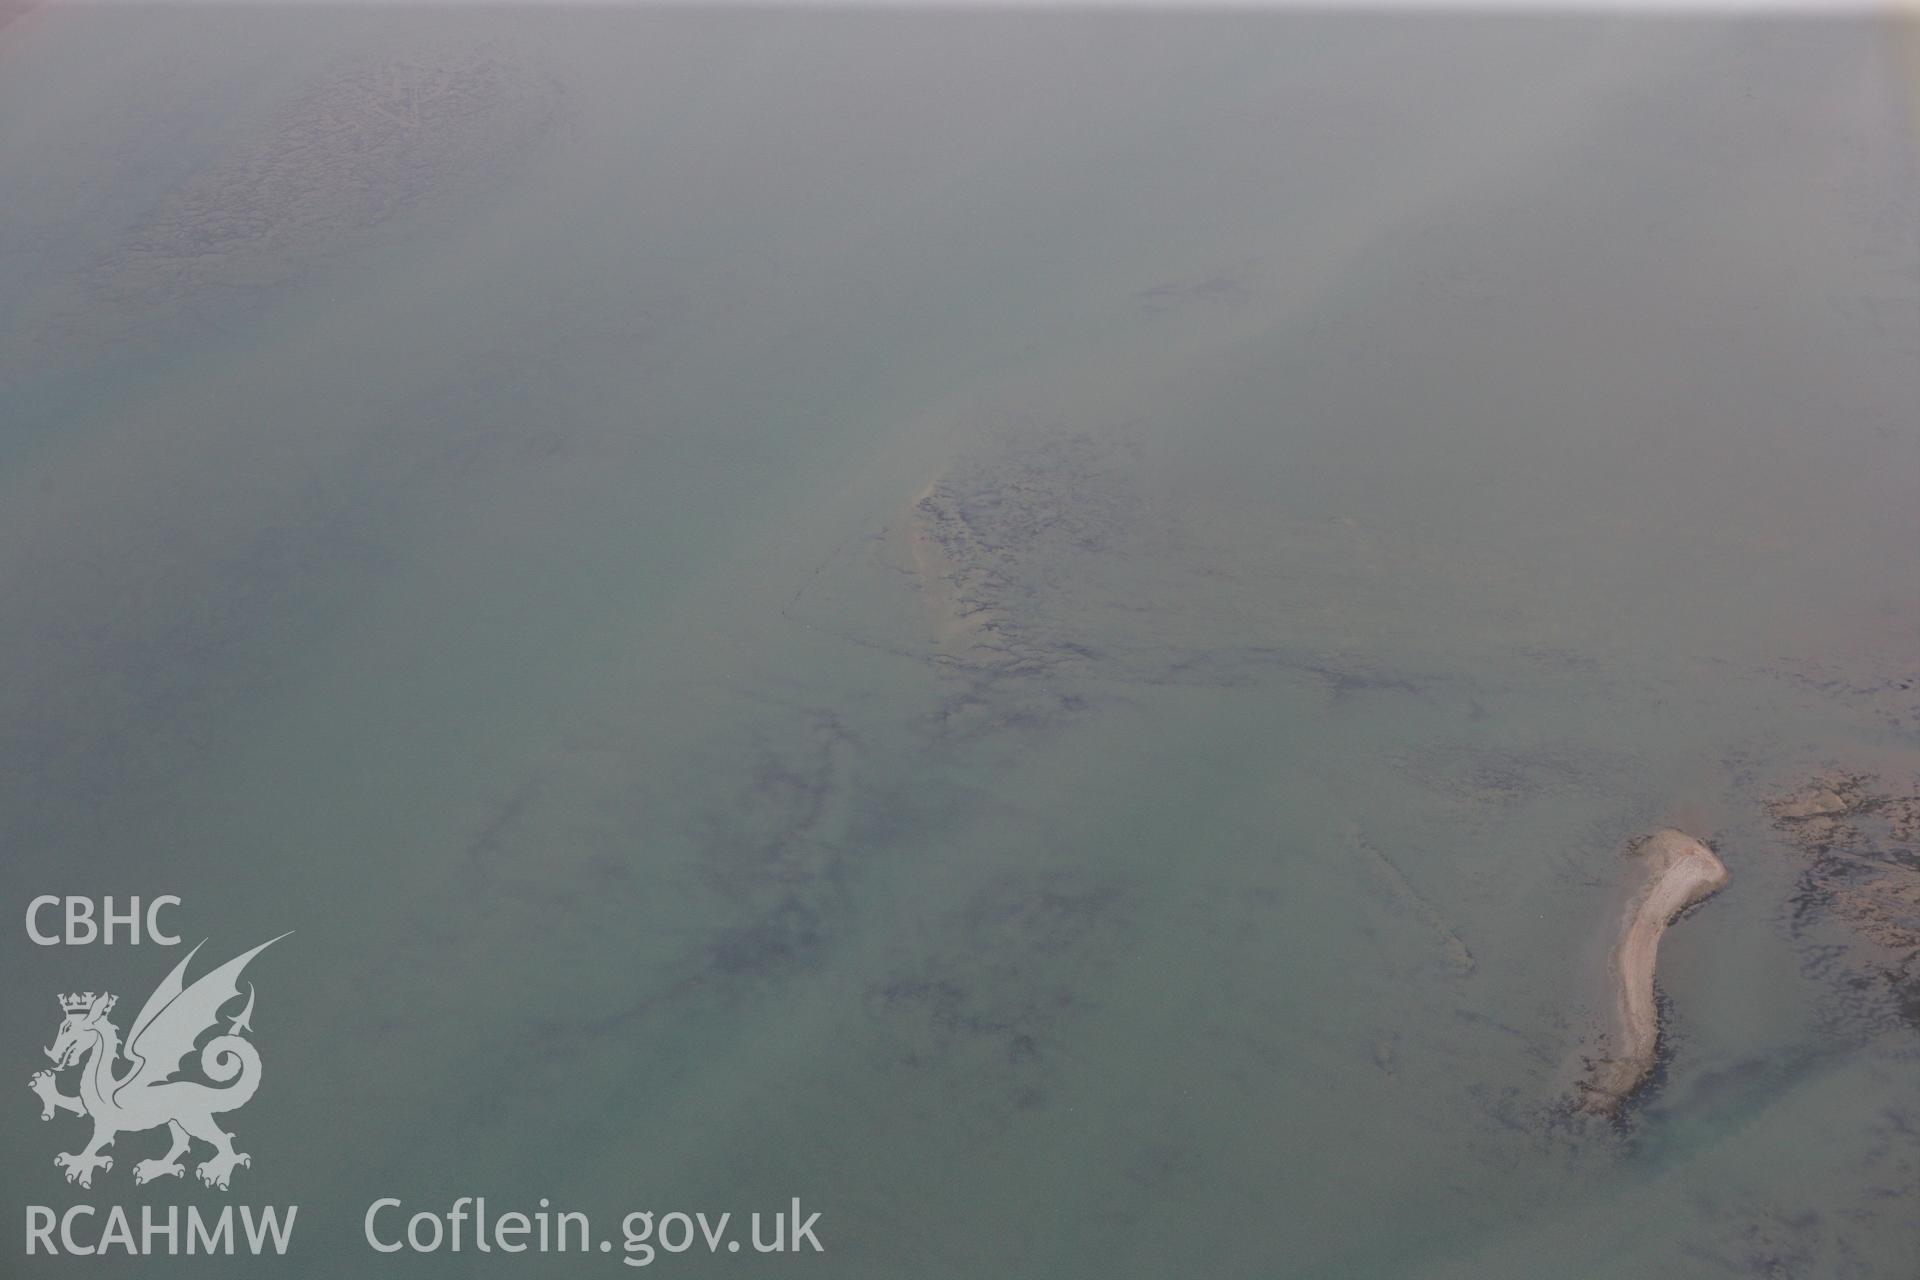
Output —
(1409, 899)
(1676, 871)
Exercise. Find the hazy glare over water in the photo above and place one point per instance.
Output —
(1042, 631)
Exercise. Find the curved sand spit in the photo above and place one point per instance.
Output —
(1677, 872)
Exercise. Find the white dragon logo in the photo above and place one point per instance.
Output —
(147, 1096)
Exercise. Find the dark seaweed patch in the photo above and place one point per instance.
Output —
(1862, 874)
(789, 935)
(984, 1006)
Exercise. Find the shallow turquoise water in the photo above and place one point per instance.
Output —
(458, 503)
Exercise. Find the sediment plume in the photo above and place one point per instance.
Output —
(11, 9)
(1675, 872)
